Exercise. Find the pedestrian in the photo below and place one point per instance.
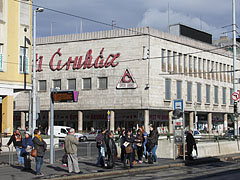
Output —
(41, 146)
(100, 145)
(139, 145)
(128, 144)
(71, 143)
(191, 143)
(122, 139)
(27, 146)
(144, 141)
(153, 138)
(111, 150)
(16, 138)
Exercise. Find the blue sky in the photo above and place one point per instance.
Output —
(206, 15)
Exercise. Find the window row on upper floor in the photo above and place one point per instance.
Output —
(199, 93)
(72, 84)
(194, 66)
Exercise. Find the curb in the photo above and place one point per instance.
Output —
(118, 172)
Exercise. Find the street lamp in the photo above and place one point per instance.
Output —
(34, 69)
(26, 40)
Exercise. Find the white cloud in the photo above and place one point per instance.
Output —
(159, 20)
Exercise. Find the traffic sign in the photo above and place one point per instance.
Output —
(178, 104)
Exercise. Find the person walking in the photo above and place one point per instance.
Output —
(16, 138)
(27, 146)
(191, 143)
(153, 138)
(128, 144)
(41, 146)
(71, 143)
(100, 146)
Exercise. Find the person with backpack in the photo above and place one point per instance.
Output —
(100, 145)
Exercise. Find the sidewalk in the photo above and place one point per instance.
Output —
(89, 169)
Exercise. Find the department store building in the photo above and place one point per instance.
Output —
(135, 74)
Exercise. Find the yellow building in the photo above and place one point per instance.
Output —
(15, 27)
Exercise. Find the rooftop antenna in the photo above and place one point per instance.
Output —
(113, 24)
(168, 19)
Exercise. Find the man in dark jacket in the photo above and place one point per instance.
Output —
(16, 138)
(41, 146)
(111, 150)
(100, 145)
(190, 144)
(153, 139)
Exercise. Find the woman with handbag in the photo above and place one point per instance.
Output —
(27, 146)
(41, 146)
(128, 144)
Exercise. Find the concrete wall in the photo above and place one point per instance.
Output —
(205, 149)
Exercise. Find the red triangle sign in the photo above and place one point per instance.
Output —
(127, 81)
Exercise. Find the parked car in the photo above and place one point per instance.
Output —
(62, 131)
(91, 135)
(229, 135)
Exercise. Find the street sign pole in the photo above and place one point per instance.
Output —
(108, 125)
(51, 127)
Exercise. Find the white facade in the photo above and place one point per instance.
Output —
(174, 59)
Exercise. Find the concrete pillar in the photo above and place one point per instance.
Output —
(23, 120)
(191, 117)
(7, 114)
(210, 123)
(112, 120)
(225, 123)
(80, 121)
(146, 120)
(170, 121)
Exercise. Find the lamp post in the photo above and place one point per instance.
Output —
(34, 69)
(26, 40)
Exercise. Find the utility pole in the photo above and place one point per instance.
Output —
(236, 129)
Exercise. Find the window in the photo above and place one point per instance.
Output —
(169, 64)
(21, 59)
(87, 83)
(103, 83)
(179, 62)
(174, 62)
(207, 93)
(72, 84)
(1, 56)
(190, 65)
(215, 94)
(1, 9)
(199, 92)
(224, 95)
(57, 84)
(231, 100)
(189, 91)
(179, 89)
(185, 63)
(42, 85)
(163, 60)
(167, 89)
